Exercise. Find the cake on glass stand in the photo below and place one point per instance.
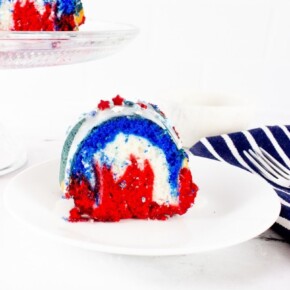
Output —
(42, 49)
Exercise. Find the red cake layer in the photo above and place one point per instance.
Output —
(26, 17)
(128, 197)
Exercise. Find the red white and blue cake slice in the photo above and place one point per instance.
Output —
(41, 15)
(123, 160)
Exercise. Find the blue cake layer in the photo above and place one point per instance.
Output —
(106, 132)
(68, 6)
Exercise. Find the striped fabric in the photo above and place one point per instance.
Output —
(229, 148)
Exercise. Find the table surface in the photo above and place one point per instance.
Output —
(29, 260)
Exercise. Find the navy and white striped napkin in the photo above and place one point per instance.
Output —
(229, 148)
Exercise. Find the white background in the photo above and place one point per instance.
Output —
(236, 48)
(239, 49)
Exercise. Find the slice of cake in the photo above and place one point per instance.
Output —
(41, 15)
(123, 160)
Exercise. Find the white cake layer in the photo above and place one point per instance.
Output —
(6, 18)
(118, 152)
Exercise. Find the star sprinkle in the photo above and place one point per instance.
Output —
(118, 101)
(103, 105)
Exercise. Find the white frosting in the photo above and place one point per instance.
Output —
(118, 154)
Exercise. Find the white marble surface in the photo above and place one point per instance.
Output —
(31, 261)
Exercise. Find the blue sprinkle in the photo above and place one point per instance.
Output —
(123, 184)
(65, 219)
(93, 113)
(129, 103)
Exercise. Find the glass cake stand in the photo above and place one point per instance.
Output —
(41, 49)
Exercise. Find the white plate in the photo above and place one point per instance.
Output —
(24, 49)
(232, 206)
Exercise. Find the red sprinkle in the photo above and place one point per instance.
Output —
(128, 197)
(177, 134)
(118, 101)
(143, 106)
(103, 105)
(162, 114)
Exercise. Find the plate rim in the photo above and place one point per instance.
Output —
(124, 28)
